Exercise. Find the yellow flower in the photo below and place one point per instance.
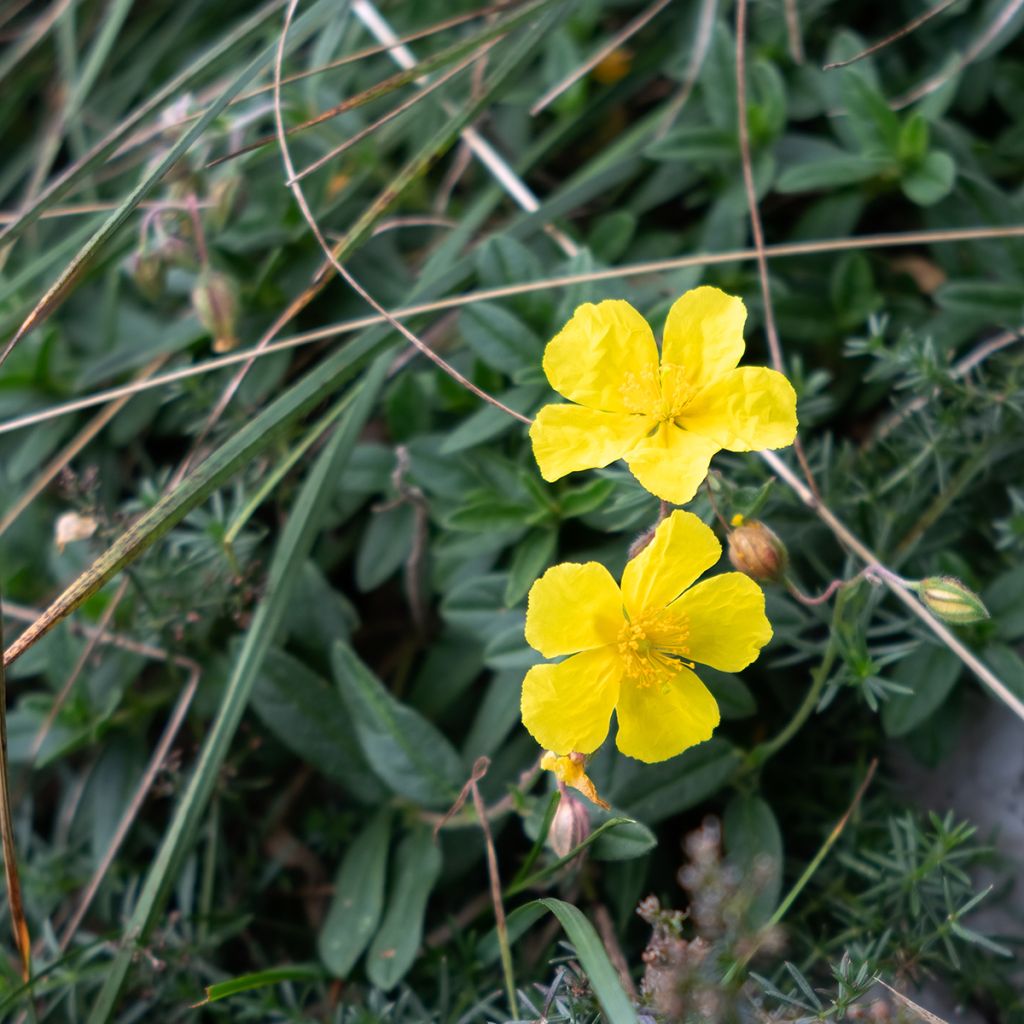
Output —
(666, 419)
(569, 770)
(630, 645)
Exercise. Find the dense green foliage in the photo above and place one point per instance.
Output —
(338, 555)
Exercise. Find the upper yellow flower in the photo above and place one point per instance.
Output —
(630, 645)
(666, 420)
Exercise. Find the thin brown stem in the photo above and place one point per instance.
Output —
(296, 188)
(910, 26)
(746, 161)
(902, 594)
(266, 345)
(625, 33)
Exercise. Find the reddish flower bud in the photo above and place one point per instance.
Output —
(756, 551)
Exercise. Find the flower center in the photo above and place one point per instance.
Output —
(676, 391)
(639, 391)
(653, 648)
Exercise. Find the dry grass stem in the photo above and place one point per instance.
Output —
(625, 33)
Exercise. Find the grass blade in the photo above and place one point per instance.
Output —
(296, 541)
(594, 960)
(106, 145)
(57, 291)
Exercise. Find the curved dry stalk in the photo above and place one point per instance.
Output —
(774, 345)
(910, 26)
(477, 144)
(300, 198)
(267, 346)
(796, 42)
(701, 42)
(625, 33)
(146, 134)
(394, 112)
(929, 85)
(889, 579)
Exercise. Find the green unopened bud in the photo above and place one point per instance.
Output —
(149, 273)
(950, 600)
(755, 550)
(227, 199)
(216, 304)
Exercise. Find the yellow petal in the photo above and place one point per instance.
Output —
(606, 358)
(726, 621)
(569, 770)
(746, 410)
(658, 722)
(704, 334)
(672, 463)
(683, 547)
(568, 438)
(573, 607)
(567, 707)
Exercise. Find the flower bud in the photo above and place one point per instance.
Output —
(950, 600)
(227, 198)
(571, 825)
(149, 272)
(216, 304)
(755, 550)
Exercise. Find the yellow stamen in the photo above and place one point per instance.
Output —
(653, 647)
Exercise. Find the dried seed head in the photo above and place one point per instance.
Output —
(755, 550)
(216, 304)
(950, 600)
(71, 527)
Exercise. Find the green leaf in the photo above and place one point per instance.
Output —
(579, 501)
(358, 901)
(914, 136)
(490, 422)
(628, 840)
(394, 949)
(651, 793)
(489, 513)
(300, 530)
(1004, 598)
(1008, 665)
(260, 979)
(308, 716)
(405, 750)
(530, 558)
(733, 695)
(871, 118)
(594, 960)
(930, 180)
(385, 545)
(831, 172)
(753, 843)
(499, 337)
(929, 673)
(984, 302)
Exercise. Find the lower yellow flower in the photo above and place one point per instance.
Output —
(633, 645)
(668, 415)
